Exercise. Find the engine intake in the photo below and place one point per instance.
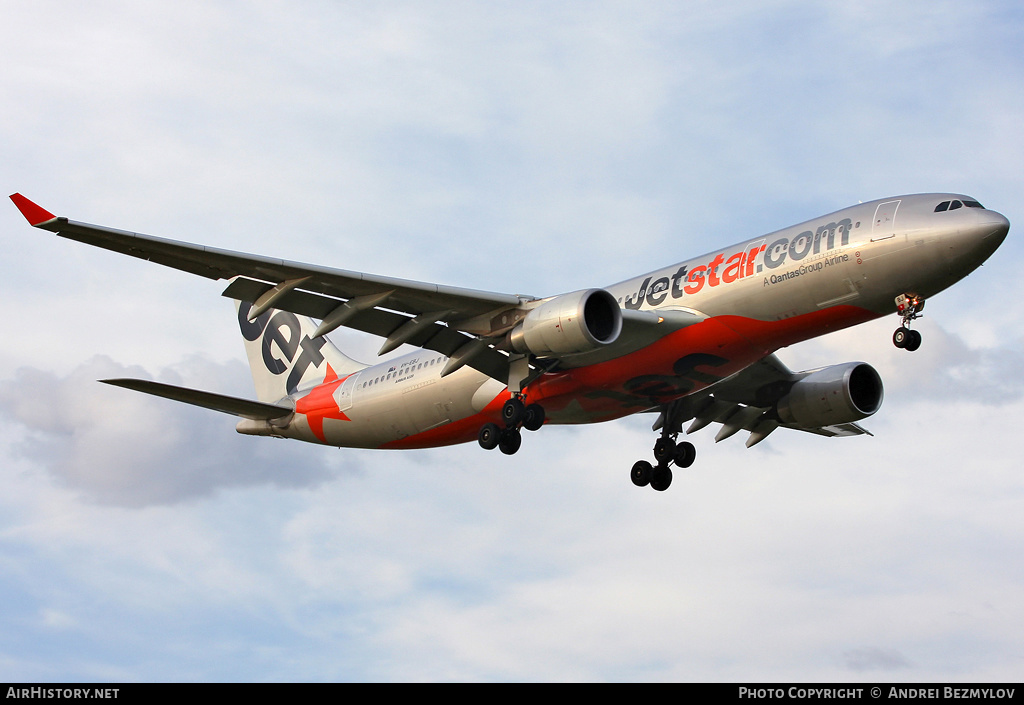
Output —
(833, 395)
(570, 323)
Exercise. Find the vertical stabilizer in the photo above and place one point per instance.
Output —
(285, 354)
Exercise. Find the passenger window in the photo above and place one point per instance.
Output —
(955, 204)
(942, 206)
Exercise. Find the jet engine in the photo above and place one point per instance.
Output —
(832, 395)
(570, 323)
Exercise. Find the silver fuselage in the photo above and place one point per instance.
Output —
(754, 297)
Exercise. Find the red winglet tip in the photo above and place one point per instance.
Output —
(34, 214)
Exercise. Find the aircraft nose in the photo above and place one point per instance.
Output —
(977, 238)
(999, 224)
(989, 230)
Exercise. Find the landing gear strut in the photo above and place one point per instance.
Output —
(909, 306)
(516, 415)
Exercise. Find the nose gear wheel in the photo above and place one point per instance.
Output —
(906, 338)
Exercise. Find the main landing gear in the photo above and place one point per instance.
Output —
(909, 307)
(666, 452)
(515, 415)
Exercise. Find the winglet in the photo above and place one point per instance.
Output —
(35, 215)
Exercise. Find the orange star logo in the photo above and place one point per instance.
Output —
(319, 404)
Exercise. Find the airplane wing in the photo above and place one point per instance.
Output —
(401, 311)
(746, 402)
(463, 324)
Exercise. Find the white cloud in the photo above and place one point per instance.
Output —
(123, 448)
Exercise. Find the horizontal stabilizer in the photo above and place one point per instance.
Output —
(245, 408)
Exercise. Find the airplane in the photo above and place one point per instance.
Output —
(693, 342)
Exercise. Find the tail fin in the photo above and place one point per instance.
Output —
(285, 355)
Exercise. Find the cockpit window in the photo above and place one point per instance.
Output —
(953, 205)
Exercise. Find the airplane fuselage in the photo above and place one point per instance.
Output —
(744, 302)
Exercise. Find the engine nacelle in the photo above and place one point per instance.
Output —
(570, 323)
(833, 395)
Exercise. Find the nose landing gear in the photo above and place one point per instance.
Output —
(909, 306)
(516, 415)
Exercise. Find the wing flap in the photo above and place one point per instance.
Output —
(245, 408)
(383, 323)
(758, 421)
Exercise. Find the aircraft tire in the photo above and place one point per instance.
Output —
(685, 454)
(533, 418)
(510, 441)
(512, 412)
(489, 436)
(661, 478)
(901, 337)
(913, 340)
(641, 473)
(664, 449)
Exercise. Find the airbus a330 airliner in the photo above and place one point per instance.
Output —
(693, 342)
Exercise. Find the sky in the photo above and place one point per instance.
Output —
(525, 147)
